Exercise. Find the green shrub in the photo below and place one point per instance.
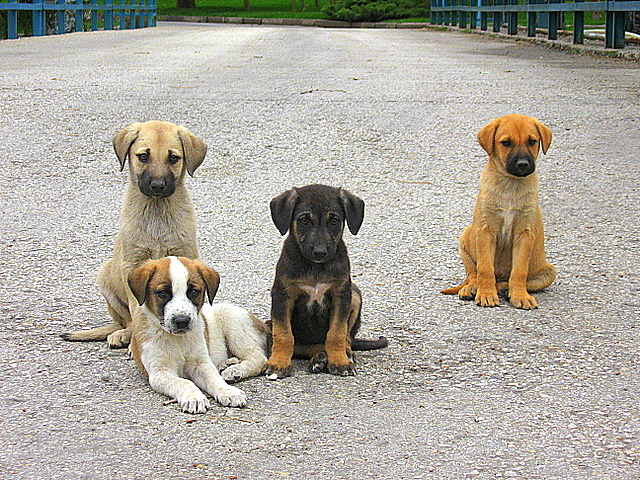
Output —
(376, 10)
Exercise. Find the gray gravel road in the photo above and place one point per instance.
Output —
(461, 392)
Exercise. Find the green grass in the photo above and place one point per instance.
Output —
(235, 8)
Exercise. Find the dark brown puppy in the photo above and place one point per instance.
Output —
(315, 308)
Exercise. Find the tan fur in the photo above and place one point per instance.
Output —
(503, 248)
(150, 228)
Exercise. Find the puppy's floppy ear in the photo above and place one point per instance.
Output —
(353, 209)
(282, 209)
(545, 135)
(211, 280)
(193, 148)
(138, 281)
(123, 140)
(487, 136)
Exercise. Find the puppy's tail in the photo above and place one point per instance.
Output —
(93, 335)
(365, 344)
(452, 290)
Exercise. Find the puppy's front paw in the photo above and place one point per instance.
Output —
(281, 369)
(524, 301)
(119, 338)
(230, 397)
(487, 299)
(344, 370)
(234, 373)
(193, 403)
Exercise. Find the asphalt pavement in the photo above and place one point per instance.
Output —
(461, 392)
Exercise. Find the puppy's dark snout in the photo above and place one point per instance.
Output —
(521, 165)
(320, 251)
(158, 185)
(181, 322)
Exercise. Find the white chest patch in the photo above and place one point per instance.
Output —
(316, 292)
(507, 223)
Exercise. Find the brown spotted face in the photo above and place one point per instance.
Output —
(172, 290)
(159, 153)
(515, 140)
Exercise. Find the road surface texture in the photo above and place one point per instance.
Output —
(392, 115)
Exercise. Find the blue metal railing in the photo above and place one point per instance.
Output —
(464, 12)
(105, 14)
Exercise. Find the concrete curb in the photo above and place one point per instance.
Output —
(303, 22)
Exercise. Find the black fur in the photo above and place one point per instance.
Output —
(314, 254)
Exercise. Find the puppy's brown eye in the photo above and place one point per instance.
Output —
(507, 143)
(193, 293)
(173, 158)
(532, 142)
(334, 220)
(304, 220)
(143, 157)
(164, 294)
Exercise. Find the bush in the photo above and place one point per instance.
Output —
(376, 10)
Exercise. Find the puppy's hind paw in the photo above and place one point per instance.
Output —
(231, 397)
(467, 292)
(318, 363)
(119, 338)
(233, 373)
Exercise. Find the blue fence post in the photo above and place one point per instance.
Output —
(578, 26)
(484, 16)
(108, 15)
(553, 22)
(532, 17)
(60, 26)
(474, 17)
(512, 18)
(463, 15)
(497, 18)
(94, 16)
(38, 18)
(79, 16)
(614, 29)
(12, 22)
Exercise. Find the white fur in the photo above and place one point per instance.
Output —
(232, 331)
(181, 365)
(179, 305)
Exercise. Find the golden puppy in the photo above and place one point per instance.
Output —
(157, 216)
(503, 248)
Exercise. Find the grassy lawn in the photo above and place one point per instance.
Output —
(259, 8)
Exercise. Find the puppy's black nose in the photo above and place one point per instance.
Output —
(158, 185)
(320, 252)
(181, 322)
(522, 164)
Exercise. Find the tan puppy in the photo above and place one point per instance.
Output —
(157, 217)
(178, 338)
(503, 248)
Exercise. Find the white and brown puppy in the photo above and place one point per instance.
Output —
(178, 338)
(157, 217)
